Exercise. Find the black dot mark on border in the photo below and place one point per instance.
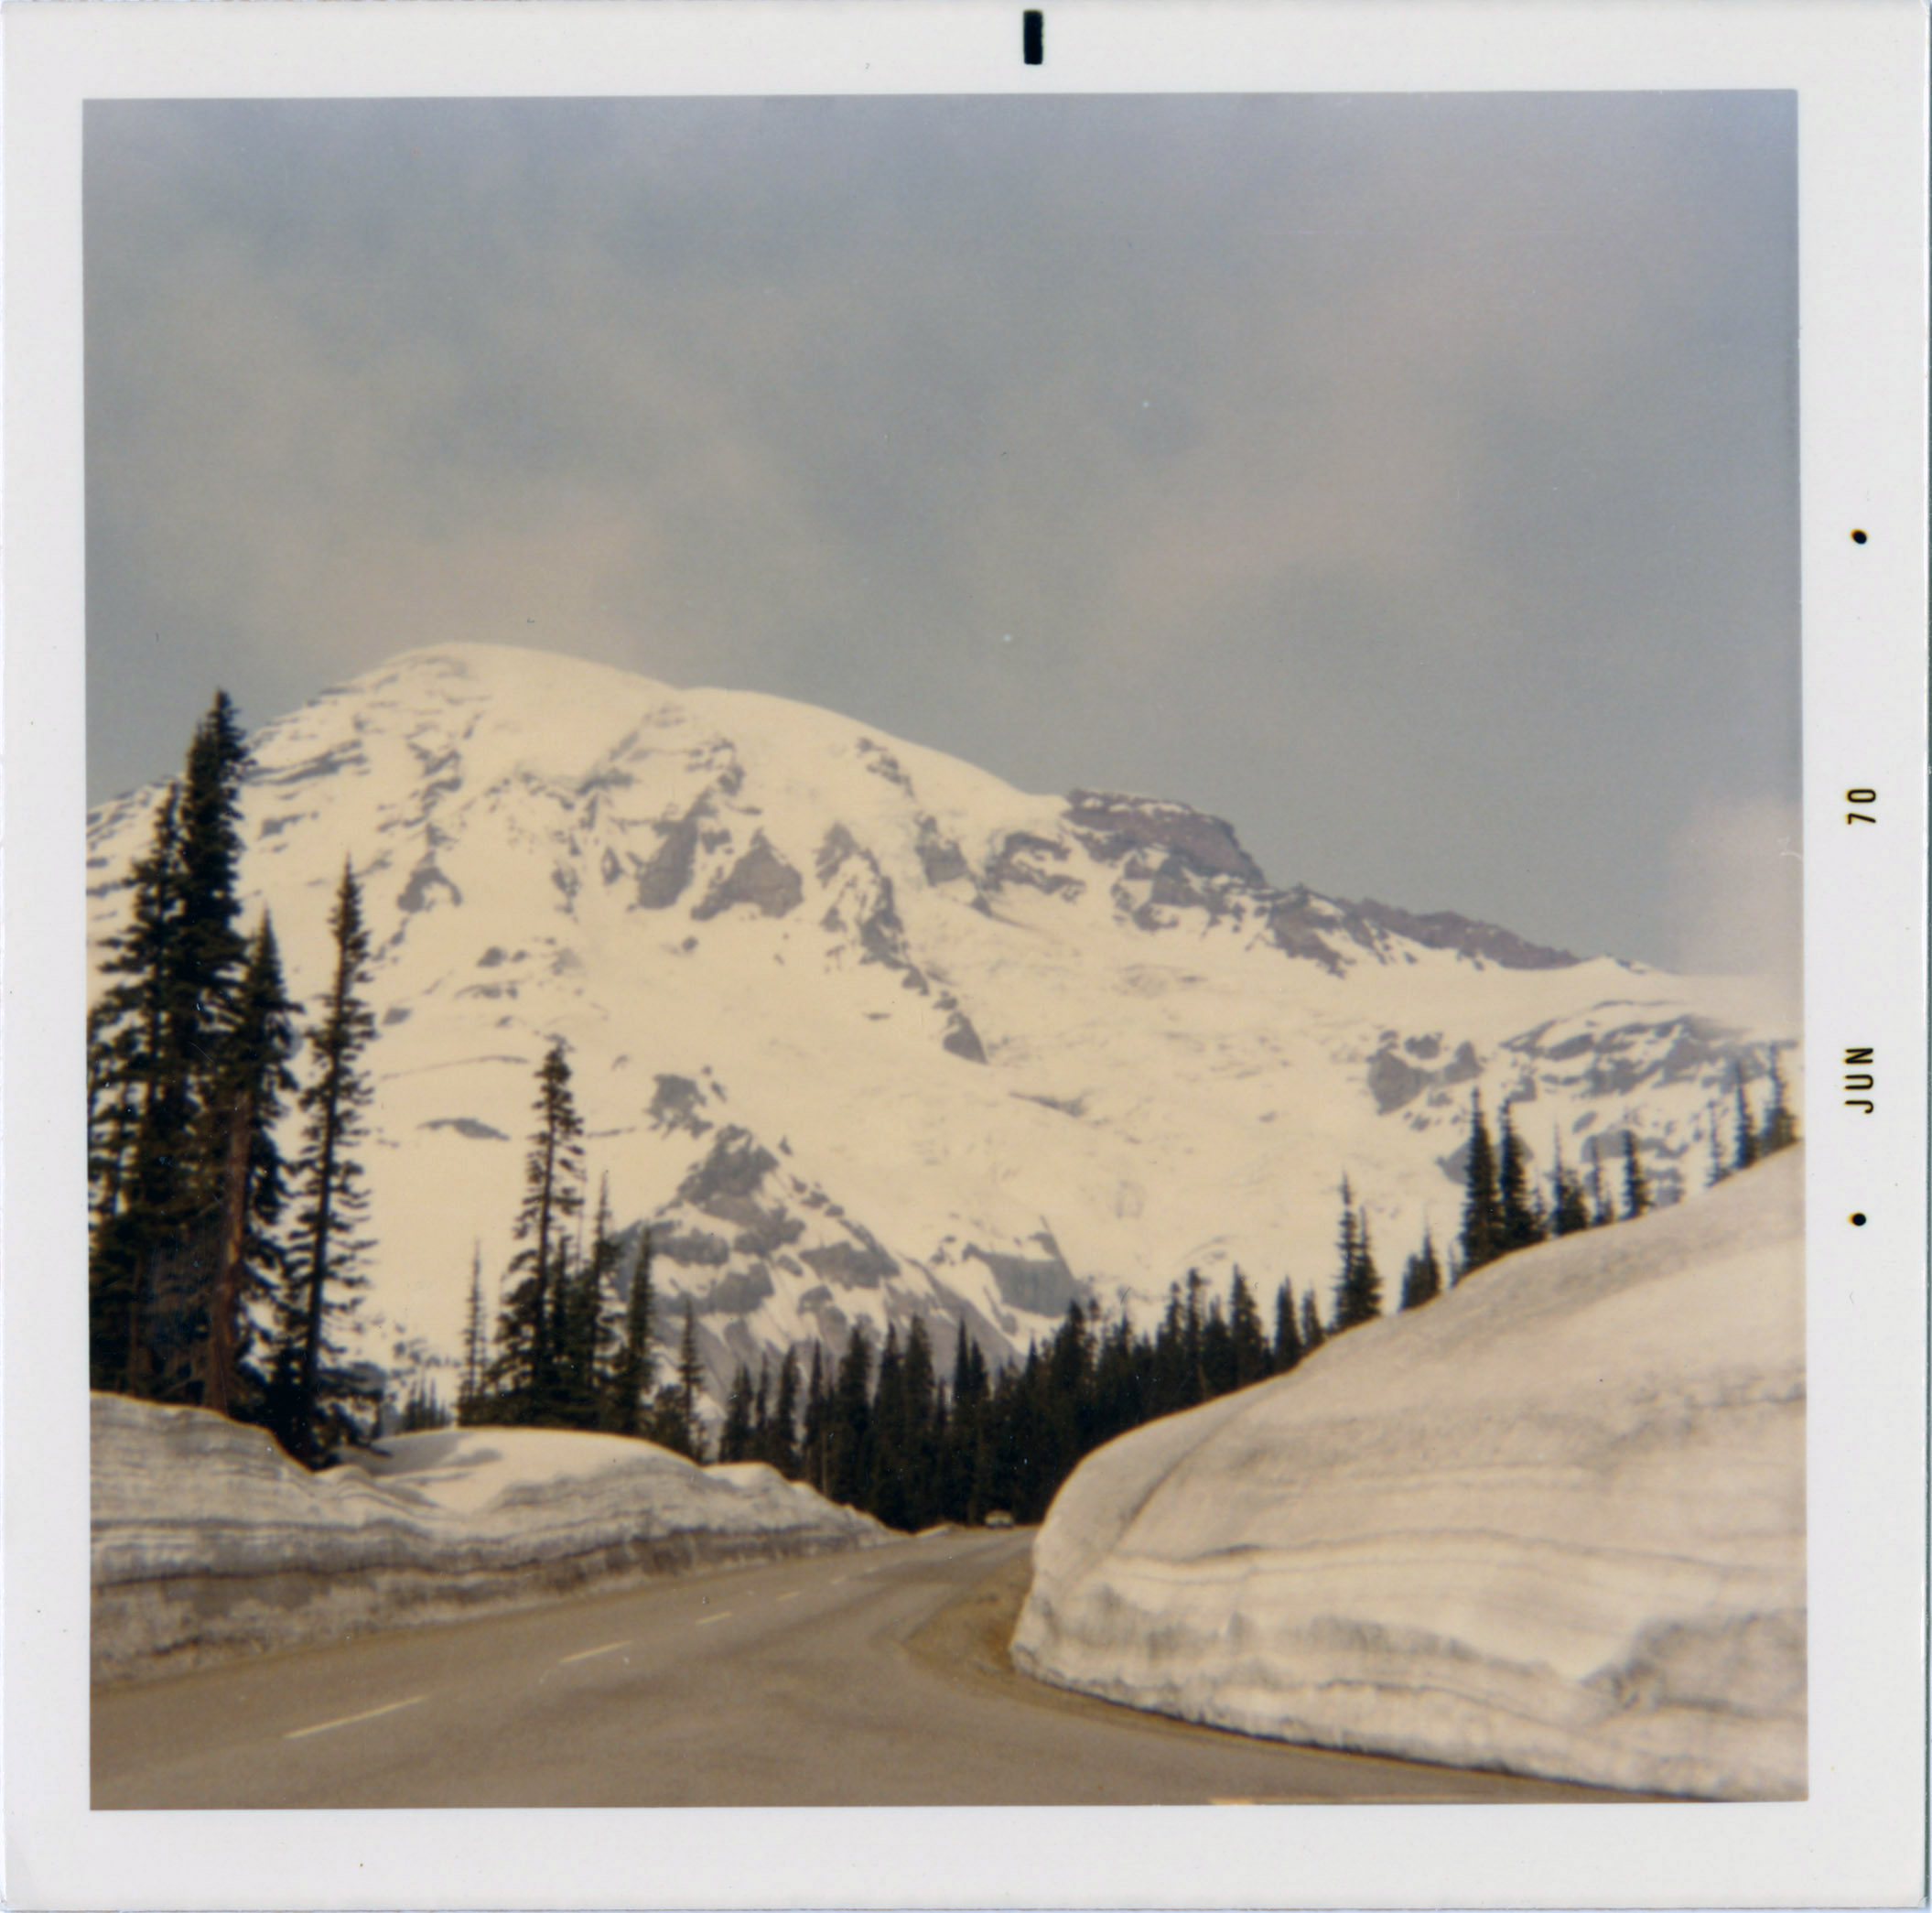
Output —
(1858, 1218)
(1858, 537)
(1032, 37)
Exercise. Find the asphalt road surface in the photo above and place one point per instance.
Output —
(878, 1677)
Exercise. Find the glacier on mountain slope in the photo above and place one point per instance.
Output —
(1552, 1523)
(866, 1034)
(207, 1540)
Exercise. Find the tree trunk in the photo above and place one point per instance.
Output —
(218, 1386)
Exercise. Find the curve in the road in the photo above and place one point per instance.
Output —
(878, 1680)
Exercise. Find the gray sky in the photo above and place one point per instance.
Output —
(1411, 480)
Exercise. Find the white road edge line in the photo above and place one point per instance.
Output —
(712, 1619)
(591, 1653)
(349, 1720)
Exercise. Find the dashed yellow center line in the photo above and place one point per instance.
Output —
(711, 1620)
(350, 1720)
(793, 1595)
(591, 1653)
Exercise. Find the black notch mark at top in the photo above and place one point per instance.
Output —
(1857, 537)
(1032, 33)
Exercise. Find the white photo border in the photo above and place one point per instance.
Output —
(1857, 68)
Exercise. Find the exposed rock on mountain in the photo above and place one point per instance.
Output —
(865, 1033)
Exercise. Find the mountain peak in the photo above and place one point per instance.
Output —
(867, 1032)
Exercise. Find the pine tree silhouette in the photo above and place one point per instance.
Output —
(1780, 1127)
(1521, 1226)
(1482, 1240)
(1636, 1186)
(307, 1393)
(1748, 1139)
(527, 1376)
(1287, 1336)
(1423, 1275)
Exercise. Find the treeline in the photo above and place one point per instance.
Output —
(1504, 1209)
(887, 1434)
(219, 1271)
(572, 1346)
(879, 1427)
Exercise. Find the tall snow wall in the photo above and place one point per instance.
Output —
(1553, 1523)
(208, 1541)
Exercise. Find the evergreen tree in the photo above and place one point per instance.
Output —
(815, 1445)
(1423, 1275)
(1636, 1186)
(1521, 1226)
(585, 1332)
(248, 1080)
(1780, 1127)
(849, 1420)
(1569, 1208)
(527, 1375)
(690, 1383)
(1358, 1288)
(633, 1373)
(476, 1340)
(1217, 1351)
(885, 1472)
(1245, 1330)
(762, 1414)
(918, 1431)
(136, 1151)
(734, 1442)
(1288, 1336)
(307, 1393)
(1602, 1211)
(1719, 1170)
(1194, 1375)
(1481, 1204)
(1312, 1333)
(782, 1438)
(1748, 1139)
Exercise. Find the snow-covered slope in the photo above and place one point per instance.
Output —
(207, 1539)
(1554, 1523)
(867, 1032)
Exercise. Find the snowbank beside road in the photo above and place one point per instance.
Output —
(1552, 1523)
(207, 1539)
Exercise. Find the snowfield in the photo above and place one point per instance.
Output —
(1552, 1523)
(207, 1539)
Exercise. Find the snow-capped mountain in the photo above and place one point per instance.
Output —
(864, 1032)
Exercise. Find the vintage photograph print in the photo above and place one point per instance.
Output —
(944, 950)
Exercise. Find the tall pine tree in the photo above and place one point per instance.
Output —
(476, 1343)
(1421, 1275)
(1637, 1185)
(633, 1373)
(528, 1373)
(1780, 1126)
(1749, 1142)
(1288, 1334)
(242, 1161)
(307, 1391)
(1569, 1207)
(1483, 1239)
(1358, 1288)
(1521, 1226)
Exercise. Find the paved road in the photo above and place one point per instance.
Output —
(873, 1679)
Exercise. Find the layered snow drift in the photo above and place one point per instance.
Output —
(1552, 1523)
(207, 1539)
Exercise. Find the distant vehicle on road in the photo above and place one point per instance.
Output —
(999, 1518)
